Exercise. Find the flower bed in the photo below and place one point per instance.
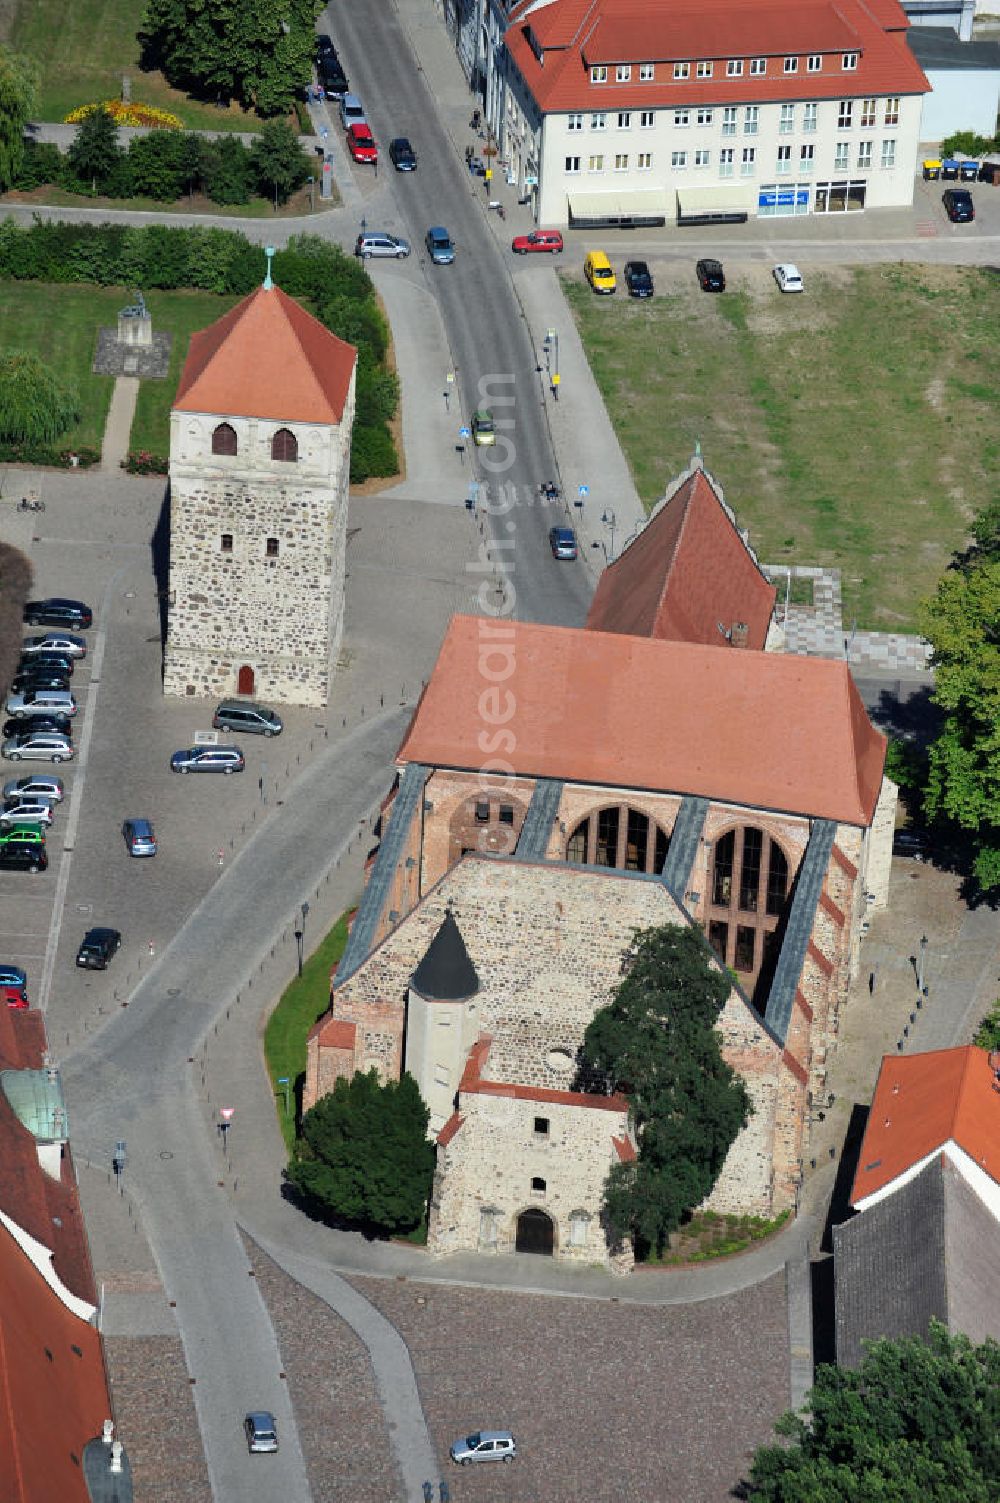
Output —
(123, 113)
(142, 462)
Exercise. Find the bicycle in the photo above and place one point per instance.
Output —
(31, 503)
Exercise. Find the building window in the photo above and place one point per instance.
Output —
(572, 164)
(845, 111)
(644, 161)
(743, 956)
(482, 811)
(809, 115)
(599, 122)
(285, 446)
(726, 162)
(791, 65)
(678, 160)
(595, 164)
(647, 72)
(647, 118)
(729, 120)
(747, 165)
(849, 61)
(619, 837)
(787, 122)
(682, 70)
(840, 156)
(599, 74)
(541, 1127)
(224, 439)
(814, 63)
(623, 72)
(867, 114)
(624, 119)
(777, 880)
(704, 116)
(758, 65)
(537, 1185)
(807, 155)
(621, 161)
(745, 907)
(734, 67)
(888, 153)
(751, 120)
(865, 153)
(703, 158)
(579, 1225)
(506, 814)
(271, 548)
(704, 70)
(226, 542)
(892, 111)
(784, 163)
(574, 122)
(682, 118)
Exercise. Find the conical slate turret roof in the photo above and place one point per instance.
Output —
(446, 974)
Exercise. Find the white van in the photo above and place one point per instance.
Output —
(352, 111)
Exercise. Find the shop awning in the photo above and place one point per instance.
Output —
(595, 210)
(728, 203)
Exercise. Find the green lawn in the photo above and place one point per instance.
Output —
(856, 426)
(66, 342)
(182, 313)
(83, 47)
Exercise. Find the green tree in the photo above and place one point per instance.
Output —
(365, 1154)
(965, 143)
(657, 1042)
(95, 155)
(279, 161)
(917, 1422)
(163, 163)
(225, 170)
(988, 1033)
(36, 405)
(18, 88)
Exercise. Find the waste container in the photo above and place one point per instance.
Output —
(968, 171)
(932, 170)
(949, 170)
(989, 172)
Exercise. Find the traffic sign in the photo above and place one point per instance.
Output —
(555, 378)
(464, 432)
(583, 490)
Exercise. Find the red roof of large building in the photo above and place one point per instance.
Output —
(687, 577)
(753, 728)
(923, 1102)
(555, 44)
(267, 358)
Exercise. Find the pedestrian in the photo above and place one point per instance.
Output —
(871, 983)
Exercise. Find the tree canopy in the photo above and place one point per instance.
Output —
(18, 87)
(36, 405)
(658, 1043)
(365, 1154)
(95, 152)
(917, 1422)
(278, 159)
(253, 51)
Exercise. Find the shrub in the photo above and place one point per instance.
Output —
(373, 453)
(43, 454)
(43, 163)
(160, 165)
(143, 462)
(36, 405)
(226, 172)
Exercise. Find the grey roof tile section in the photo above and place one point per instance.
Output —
(801, 917)
(688, 826)
(534, 837)
(939, 47)
(407, 804)
(104, 1485)
(446, 974)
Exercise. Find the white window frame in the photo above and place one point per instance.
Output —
(624, 119)
(892, 110)
(704, 70)
(599, 73)
(810, 117)
(865, 153)
(682, 70)
(841, 156)
(784, 159)
(643, 161)
(621, 161)
(572, 165)
(647, 119)
(751, 120)
(647, 72)
(807, 154)
(678, 161)
(814, 62)
(849, 62)
(889, 152)
(704, 115)
(729, 120)
(791, 65)
(599, 121)
(748, 162)
(595, 163)
(868, 107)
(726, 161)
(845, 114)
(734, 67)
(623, 72)
(703, 157)
(758, 65)
(574, 122)
(682, 119)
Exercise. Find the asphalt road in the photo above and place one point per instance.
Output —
(492, 352)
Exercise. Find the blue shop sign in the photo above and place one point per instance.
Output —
(782, 198)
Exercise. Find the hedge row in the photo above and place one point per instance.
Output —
(45, 454)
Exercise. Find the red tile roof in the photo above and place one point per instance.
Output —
(267, 358)
(686, 574)
(921, 1103)
(334, 1033)
(474, 1083)
(625, 1149)
(449, 1129)
(572, 37)
(759, 729)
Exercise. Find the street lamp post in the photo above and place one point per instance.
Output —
(921, 988)
(610, 520)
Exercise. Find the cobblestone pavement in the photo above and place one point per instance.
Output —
(151, 1394)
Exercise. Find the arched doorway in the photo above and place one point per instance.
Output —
(535, 1233)
(244, 680)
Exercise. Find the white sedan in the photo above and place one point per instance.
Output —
(26, 812)
(788, 277)
(66, 642)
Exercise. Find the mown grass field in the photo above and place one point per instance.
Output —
(856, 426)
(83, 47)
(183, 313)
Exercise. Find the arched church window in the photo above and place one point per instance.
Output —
(285, 446)
(748, 892)
(621, 837)
(224, 439)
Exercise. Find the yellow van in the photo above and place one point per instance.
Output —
(599, 273)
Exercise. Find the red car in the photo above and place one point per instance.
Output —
(361, 143)
(14, 996)
(538, 240)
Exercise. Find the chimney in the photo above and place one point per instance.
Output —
(738, 633)
(108, 1431)
(116, 1455)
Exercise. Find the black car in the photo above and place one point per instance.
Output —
(16, 856)
(45, 678)
(402, 155)
(53, 660)
(324, 46)
(912, 843)
(638, 279)
(60, 723)
(59, 612)
(332, 78)
(711, 277)
(958, 205)
(97, 948)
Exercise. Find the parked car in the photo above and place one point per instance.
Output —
(245, 715)
(913, 844)
(139, 837)
(377, 243)
(22, 856)
(638, 279)
(39, 678)
(958, 205)
(352, 111)
(483, 431)
(484, 1445)
(402, 155)
(66, 642)
(97, 948)
(788, 277)
(331, 76)
(57, 611)
(38, 746)
(261, 1432)
(13, 975)
(539, 240)
(711, 277)
(324, 45)
(21, 834)
(30, 812)
(361, 143)
(562, 541)
(39, 662)
(225, 759)
(599, 273)
(40, 701)
(439, 245)
(36, 785)
(60, 723)
(14, 996)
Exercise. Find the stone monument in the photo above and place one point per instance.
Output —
(133, 349)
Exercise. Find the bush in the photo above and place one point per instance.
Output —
(966, 143)
(36, 405)
(988, 1033)
(143, 462)
(226, 171)
(43, 164)
(162, 165)
(373, 453)
(42, 454)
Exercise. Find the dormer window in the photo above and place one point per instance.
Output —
(224, 439)
(623, 72)
(815, 62)
(849, 61)
(734, 67)
(758, 65)
(647, 72)
(704, 70)
(791, 65)
(682, 70)
(599, 74)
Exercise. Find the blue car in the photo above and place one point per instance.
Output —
(439, 246)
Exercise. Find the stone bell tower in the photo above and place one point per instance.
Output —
(260, 440)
